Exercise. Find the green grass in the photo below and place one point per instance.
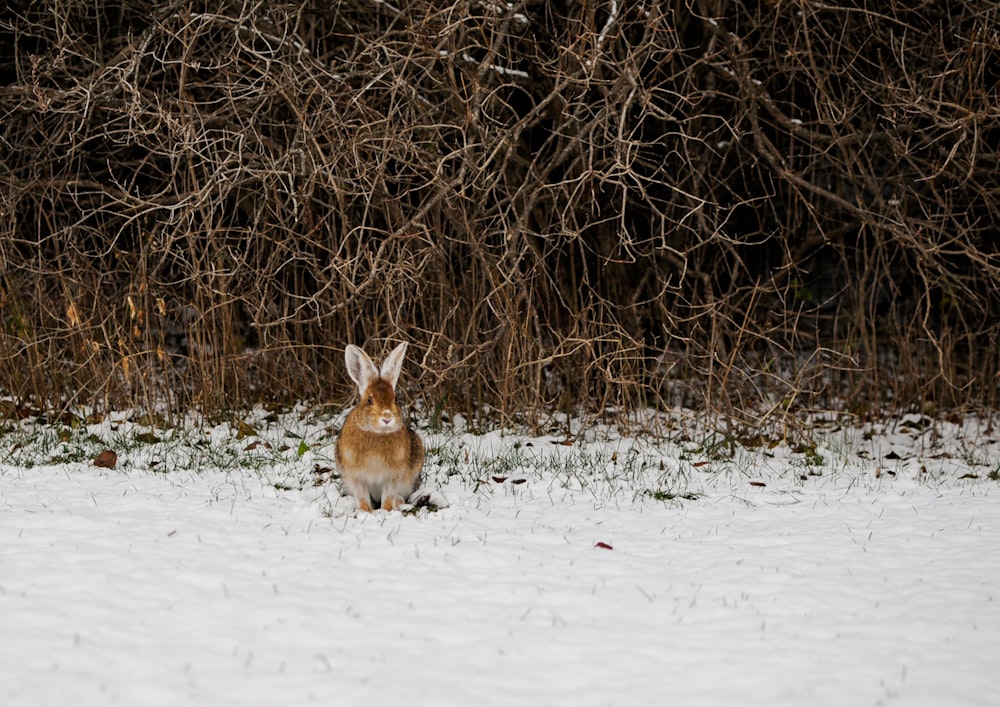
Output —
(608, 473)
(239, 448)
(291, 451)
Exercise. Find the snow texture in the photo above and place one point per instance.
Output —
(870, 577)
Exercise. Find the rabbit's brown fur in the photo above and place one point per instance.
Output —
(379, 457)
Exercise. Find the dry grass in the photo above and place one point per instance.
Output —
(745, 208)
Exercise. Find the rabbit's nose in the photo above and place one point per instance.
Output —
(387, 417)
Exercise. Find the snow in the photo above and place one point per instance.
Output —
(867, 574)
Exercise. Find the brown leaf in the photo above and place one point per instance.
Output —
(499, 479)
(697, 464)
(244, 430)
(603, 546)
(758, 484)
(106, 459)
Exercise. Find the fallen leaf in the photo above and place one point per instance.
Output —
(106, 459)
(697, 464)
(603, 546)
(758, 484)
(423, 501)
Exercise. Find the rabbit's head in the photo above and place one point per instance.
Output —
(377, 411)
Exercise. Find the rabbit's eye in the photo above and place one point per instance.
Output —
(370, 400)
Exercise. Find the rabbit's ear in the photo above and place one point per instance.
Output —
(393, 364)
(360, 367)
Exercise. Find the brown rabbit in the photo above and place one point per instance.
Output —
(379, 457)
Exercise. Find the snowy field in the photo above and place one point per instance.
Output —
(208, 568)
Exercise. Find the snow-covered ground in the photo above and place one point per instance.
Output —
(624, 571)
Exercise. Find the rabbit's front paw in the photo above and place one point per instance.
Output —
(391, 503)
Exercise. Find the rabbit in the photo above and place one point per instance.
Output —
(379, 457)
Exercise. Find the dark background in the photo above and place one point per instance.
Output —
(756, 209)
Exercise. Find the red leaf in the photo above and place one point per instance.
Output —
(603, 546)
(758, 484)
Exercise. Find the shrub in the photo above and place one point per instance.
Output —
(750, 208)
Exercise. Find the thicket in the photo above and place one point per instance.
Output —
(753, 208)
